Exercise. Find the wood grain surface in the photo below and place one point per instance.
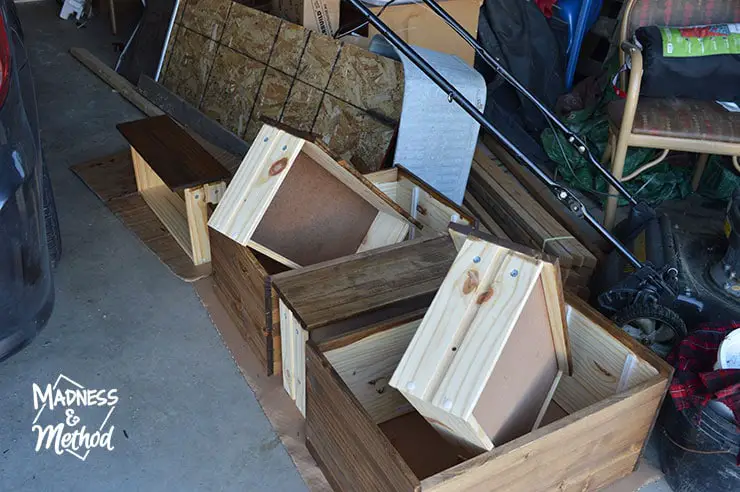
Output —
(172, 153)
(338, 290)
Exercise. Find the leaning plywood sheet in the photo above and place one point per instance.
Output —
(239, 65)
(484, 363)
(291, 201)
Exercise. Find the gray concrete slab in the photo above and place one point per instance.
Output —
(122, 320)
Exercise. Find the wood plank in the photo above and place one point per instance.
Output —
(348, 446)
(300, 337)
(288, 348)
(172, 153)
(576, 226)
(366, 366)
(169, 208)
(191, 117)
(196, 209)
(346, 288)
(484, 217)
(573, 446)
(118, 83)
(385, 229)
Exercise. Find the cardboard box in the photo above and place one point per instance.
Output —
(416, 24)
(321, 16)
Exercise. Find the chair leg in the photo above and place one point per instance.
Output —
(620, 153)
(701, 164)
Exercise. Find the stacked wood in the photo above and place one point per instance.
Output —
(505, 202)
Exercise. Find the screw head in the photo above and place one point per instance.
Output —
(285, 147)
(411, 386)
(447, 404)
(563, 195)
(266, 139)
(476, 259)
(514, 272)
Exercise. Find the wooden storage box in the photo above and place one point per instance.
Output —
(243, 276)
(366, 437)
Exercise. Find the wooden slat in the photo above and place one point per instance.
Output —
(385, 229)
(341, 435)
(541, 225)
(349, 287)
(484, 217)
(576, 226)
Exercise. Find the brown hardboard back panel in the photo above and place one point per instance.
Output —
(522, 377)
(314, 217)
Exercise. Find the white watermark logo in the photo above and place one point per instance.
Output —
(67, 404)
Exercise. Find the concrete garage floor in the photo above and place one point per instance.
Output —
(186, 419)
(122, 320)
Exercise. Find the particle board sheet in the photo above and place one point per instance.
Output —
(111, 178)
(346, 288)
(169, 150)
(239, 65)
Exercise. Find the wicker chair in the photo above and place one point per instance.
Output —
(687, 125)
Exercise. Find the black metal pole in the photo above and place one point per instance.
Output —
(561, 193)
(575, 140)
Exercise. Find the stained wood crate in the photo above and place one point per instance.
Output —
(366, 437)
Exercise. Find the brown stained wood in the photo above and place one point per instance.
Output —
(239, 275)
(338, 290)
(172, 153)
(330, 219)
(351, 449)
(478, 211)
(540, 192)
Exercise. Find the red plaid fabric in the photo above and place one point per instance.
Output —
(695, 382)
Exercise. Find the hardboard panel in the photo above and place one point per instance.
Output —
(190, 65)
(515, 393)
(232, 90)
(206, 17)
(301, 224)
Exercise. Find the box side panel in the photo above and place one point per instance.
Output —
(591, 447)
(350, 448)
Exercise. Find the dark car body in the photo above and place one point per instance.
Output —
(26, 287)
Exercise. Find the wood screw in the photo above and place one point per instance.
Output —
(476, 259)
(514, 273)
(266, 139)
(285, 147)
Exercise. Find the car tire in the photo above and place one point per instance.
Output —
(51, 219)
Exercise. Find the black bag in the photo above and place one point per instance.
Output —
(700, 62)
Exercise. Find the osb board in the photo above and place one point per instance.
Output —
(112, 179)
(330, 219)
(238, 65)
(289, 425)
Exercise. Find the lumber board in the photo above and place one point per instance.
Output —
(385, 229)
(191, 117)
(345, 288)
(484, 217)
(337, 422)
(492, 188)
(117, 82)
(366, 366)
(540, 192)
(511, 194)
(196, 209)
(172, 153)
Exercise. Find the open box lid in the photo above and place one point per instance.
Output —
(291, 201)
(486, 359)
